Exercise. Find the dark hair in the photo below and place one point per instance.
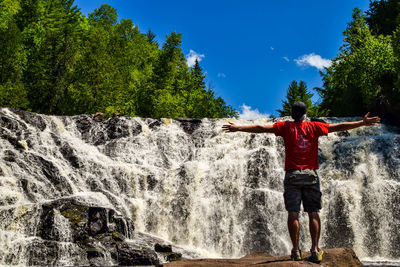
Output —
(299, 109)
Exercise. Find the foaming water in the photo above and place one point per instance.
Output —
(194, 185)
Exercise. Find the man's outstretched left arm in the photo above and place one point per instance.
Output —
(344, 126)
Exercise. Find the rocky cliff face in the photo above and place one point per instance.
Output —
(76, 190)
(70, 231)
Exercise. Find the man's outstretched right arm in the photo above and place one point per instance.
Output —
(344, 126)
(231, 127)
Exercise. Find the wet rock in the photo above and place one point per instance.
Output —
(96, 231)
(116, 128)
(154, 123)
(130, 256)
(85, 220)
(51, 172)
(189, 125)
(151, 182)
(97, 223)
(69, 154)
(26, 185)
(136, 129)
(11, 124)
(9, 156)
(166, 250)
(83, 123)
(99, 116)
(172, 256)
(94, 253)
(48, 253)
(118, 224)
(31, 118)
(13, 141)
(343, 134)
(41, 253)
(56, 139)
(162, 248)
(101, 132)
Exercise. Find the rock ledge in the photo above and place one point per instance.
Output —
(338, 257)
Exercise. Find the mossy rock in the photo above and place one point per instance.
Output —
(76, 214)
(173, 256)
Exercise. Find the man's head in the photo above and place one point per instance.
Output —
(299, 111)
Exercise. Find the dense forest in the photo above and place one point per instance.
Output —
(55, 60)
(365, 75)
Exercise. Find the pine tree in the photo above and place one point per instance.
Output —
(297, 92)
(363, 72)
(383, 16)
(12, 57)
(53, 38)
(195, 106)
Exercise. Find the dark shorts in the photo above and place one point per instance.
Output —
(302, 186)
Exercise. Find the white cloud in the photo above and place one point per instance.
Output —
(251, 114)
(271, 48)
(314, 61)
(286, 58)
(221, 74)
(192, 56)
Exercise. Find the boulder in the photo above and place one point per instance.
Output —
(71, 231)
(189, 125)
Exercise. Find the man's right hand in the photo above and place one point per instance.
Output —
(231, 127)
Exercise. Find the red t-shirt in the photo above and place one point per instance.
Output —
(301, 142)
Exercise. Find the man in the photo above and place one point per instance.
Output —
(301, 183)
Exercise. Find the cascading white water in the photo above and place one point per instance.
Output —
(200, 188)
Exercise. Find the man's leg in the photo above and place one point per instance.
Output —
(294, 228)
(315, 229)
(311, 196)
(292, 197)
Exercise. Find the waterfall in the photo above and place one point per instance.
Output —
(188, 182)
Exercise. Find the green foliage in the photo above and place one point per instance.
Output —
(105, 16)
(362, 73)
(13, 95)
(396, 52)
(66, 63)
(12, 58)
(298, 92)
(383, 16)
(8, 10)
(53, 43)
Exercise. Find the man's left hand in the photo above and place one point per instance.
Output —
(371, 121)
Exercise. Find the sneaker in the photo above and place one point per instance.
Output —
(296, 255)
(316, 256)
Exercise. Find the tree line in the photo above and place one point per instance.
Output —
(365, 75)
(55, 60)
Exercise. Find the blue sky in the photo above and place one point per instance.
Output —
(250, 50)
